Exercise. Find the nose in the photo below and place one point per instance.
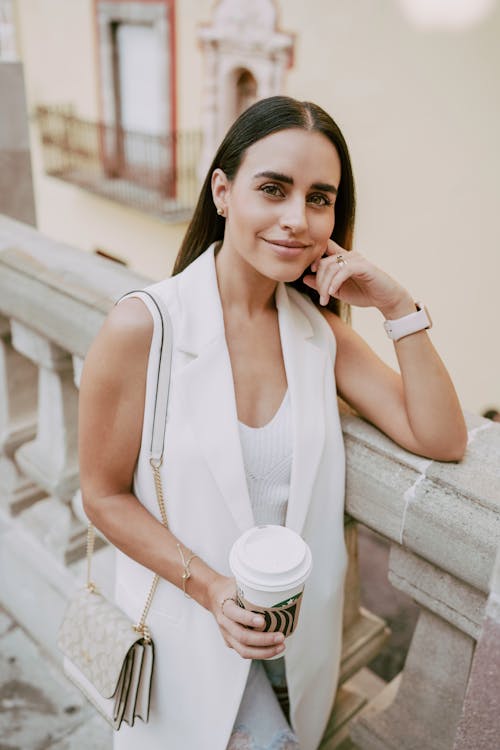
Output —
(293, 216)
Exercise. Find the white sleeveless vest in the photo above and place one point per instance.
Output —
(198, 681)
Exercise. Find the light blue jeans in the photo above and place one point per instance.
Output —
(262, 720)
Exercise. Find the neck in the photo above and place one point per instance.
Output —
(241, 287)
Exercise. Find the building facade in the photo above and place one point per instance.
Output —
(135, 96)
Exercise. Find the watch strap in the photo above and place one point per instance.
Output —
(408, 324)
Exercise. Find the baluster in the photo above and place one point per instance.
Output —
(17, 423)
(50, 459)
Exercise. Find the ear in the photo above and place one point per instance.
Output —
(220, 188)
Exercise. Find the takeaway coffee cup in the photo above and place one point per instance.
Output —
(271, 565)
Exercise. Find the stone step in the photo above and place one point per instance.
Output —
(362, 641)
(347, 705)
(361, 729)
(347, 744)
(351, 698)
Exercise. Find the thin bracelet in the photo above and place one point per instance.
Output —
(186, 575)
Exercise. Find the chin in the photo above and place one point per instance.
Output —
(287, 272)
(288, 278)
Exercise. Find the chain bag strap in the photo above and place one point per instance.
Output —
(156, 447)
(108, 657)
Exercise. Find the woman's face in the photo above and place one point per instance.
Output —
(280, 207)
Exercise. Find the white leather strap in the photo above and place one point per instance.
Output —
(163, 377)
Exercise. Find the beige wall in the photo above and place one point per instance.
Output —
(58, 49)
(190, 14)
(421, 112)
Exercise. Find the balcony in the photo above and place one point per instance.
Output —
(154, 174)
(441, 520)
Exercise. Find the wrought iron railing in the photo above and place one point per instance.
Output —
(154, 173)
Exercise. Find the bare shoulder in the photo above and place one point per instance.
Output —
(111, 403)
(123, 342)
(130, 323)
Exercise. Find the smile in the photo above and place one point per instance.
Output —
(287, 248)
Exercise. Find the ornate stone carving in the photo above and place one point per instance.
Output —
(247, 22)
(243, 40)
(8, 46)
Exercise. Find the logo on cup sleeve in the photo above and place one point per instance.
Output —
(281, 618)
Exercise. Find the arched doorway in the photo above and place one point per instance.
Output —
(246, 57)
(245, 91)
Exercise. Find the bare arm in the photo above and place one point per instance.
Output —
(111, 411)
(418, 409)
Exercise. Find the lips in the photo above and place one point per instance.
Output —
(287, 243)
(286, 248)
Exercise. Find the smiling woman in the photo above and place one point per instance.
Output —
(281, 203)
(260, 353)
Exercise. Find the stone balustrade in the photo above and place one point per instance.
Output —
(442, 520)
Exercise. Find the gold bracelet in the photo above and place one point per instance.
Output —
(186, 575)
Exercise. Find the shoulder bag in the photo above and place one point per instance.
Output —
(106, 655)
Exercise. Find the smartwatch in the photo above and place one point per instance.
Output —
(408, 324)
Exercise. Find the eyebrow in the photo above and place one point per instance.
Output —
(326, 187)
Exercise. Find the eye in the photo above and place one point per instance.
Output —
(318, 199)
(271, 188)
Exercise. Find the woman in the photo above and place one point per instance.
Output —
(253, 432)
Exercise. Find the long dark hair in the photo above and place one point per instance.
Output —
(261, 119)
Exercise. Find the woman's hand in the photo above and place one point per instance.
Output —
(239, 627)
(351, 278)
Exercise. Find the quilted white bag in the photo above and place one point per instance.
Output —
(106, 655)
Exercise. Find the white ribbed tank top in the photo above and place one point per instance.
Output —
(267, 456)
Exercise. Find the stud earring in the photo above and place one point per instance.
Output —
(220, 211)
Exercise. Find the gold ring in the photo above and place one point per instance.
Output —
(227, 599)
(340, 260)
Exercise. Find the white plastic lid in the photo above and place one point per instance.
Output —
(270, 558)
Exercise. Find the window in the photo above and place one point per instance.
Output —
(138, 91)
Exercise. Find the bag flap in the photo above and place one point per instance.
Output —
(96, 635)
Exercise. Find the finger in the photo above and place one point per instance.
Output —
(333, 248)
(314, 265)
(338, 280)
(252, 652)
(310, 280)
(328, 251)
(233, 612)
(250, 636)
(256, 639)
(325, 280)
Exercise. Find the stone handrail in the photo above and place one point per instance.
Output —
(442, 520)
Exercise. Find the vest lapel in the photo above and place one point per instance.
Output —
(305, 370)
(206, 386)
